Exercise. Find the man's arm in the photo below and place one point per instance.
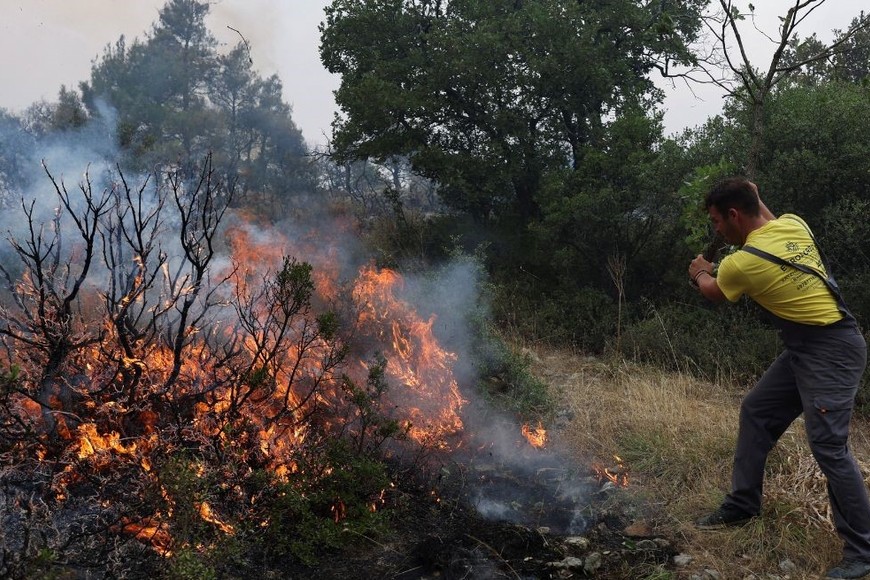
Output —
(710, 288)
(701, 272)
(765, 213)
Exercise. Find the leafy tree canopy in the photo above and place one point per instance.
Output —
(488, 96)
(177, 98)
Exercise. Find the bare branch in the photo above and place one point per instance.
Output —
(832, 49)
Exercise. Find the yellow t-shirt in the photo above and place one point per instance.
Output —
(782, 290)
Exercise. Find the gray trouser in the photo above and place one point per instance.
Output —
(817, 375)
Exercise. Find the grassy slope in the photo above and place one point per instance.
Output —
(676, 435)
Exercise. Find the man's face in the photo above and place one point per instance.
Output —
(726, 225)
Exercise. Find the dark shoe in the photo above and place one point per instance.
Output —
(849, 569)
(723, 517)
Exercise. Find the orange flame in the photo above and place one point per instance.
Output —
(148, 531)
(617, 475)
(91, 442)
(208, 515)
(536, 436)
(339, 510)
(429, 393)
(422, 390)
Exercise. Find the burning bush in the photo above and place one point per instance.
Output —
(206, 406)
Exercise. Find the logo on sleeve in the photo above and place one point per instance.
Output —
(792, 246)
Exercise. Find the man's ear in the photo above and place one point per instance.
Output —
(733, 214)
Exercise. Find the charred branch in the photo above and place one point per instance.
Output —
(47, 319)
(201, 209)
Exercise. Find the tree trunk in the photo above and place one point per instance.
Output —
(753, 155)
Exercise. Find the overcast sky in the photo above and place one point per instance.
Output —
(47, 43)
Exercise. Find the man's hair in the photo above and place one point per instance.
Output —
(734, 192)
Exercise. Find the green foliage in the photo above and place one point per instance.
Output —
(809, 160)
(69, 113)
(852, 64)
(845, 229)
(44, 564)
(16, 151)
(177, 98)
(434, 83)
(848, 64)
(506, 376)
(722, 343)
(187, 564)
(692, 194)
(326, 505)
(292, 286)
(403, 237)
(8, 378)
(187, 489)
(260, 378)
(370, 426)
(199, 549)
(619, 205)
(328, 325)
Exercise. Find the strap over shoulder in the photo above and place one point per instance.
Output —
(828, 280)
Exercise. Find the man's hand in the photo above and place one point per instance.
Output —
(697, 268)
(701, 275)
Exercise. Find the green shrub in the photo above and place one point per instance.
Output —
(320, 508)
(187, 564)
(182, 481)
(331, 497)
(409, 238)
(582, 318)
(723, 343)
(505, 376)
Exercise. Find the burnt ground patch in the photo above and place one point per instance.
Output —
(444, 536)
(540, 528)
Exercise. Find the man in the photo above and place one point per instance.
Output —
(781, 268)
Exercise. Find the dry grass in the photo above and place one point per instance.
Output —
(676, 435)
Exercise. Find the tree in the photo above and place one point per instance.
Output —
(488, 97)
(178, 99)
(849, 63)
(810, 161)
(69, 113)
(234, 95)
(752, 87)
(263, 148)
(811, 72)
(181, 50)
(620, 207)
(16, 147)
(50, 323)
(159, 86)
(852, 63)
(276, 152)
